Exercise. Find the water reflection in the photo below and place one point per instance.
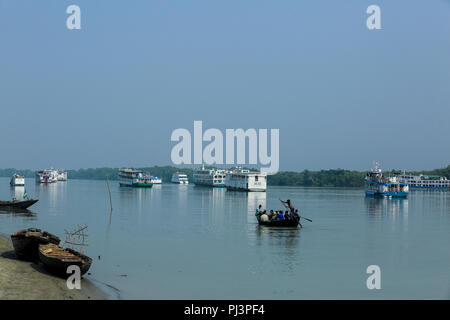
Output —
(395, 210)
(18, 192)
(53, 192)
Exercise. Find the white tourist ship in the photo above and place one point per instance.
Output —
(180, 178)
(47, 176)
(245, 180)
(129, 177)
(17, 180)
(426, 181)
(209, 177)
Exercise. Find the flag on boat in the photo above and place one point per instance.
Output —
(25, 195)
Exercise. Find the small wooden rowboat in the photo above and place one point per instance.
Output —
(56, 259)
(279, 223)
(26, 242)
(18, 204)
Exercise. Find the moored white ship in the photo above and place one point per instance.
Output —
(129, 177)
(179, 178)
(245, 180)
(47, 176)
(17, 180)
(425, 181)
(376, 184)
(209, 177)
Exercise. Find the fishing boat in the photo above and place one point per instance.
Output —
(26, 242)
(18, 204)
(17, 180)
(56, 259)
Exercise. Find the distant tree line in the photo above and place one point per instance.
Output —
(306, 178)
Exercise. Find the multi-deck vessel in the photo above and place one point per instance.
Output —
(17, 180)
(180, 178)
(245, 180)
(209, 177)
(47, 176)
(376, 184)
(426, 181)
(129, 177)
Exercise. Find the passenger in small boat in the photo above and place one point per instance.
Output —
(280, 215)
(258, 211)
(271, 214)
(264, 217)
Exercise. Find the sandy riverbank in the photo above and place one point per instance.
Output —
(26, 280)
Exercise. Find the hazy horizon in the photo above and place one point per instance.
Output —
(110, 94)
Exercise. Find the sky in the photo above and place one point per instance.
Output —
(111, 93)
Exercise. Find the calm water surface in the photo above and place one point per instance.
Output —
(187, 242)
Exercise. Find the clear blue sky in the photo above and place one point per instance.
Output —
(111, 93)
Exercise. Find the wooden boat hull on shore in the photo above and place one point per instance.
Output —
(58, 260)
(18, 204)
(26, 243)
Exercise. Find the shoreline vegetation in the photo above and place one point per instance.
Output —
(22, 280)
(306, 178)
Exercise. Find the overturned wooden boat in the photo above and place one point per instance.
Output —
(18, 204)
(26, 242)
(57, 259)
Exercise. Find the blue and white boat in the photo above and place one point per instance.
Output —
(209, 177)
(376, 184)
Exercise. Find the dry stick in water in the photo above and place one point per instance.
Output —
(109, 190)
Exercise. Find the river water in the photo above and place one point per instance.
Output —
(188, 242)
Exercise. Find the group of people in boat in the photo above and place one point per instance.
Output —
(278, 215)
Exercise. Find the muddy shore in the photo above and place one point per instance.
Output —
(22, 280)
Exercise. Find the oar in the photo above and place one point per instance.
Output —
(306, 218)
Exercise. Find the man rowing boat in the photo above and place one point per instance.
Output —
(289, 206)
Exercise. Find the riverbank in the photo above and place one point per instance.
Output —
(22, 280)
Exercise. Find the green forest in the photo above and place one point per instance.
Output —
(306, 178)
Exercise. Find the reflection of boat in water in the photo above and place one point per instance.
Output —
(376, 184)
(18, 204)
(26, 242)
(17, 211)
